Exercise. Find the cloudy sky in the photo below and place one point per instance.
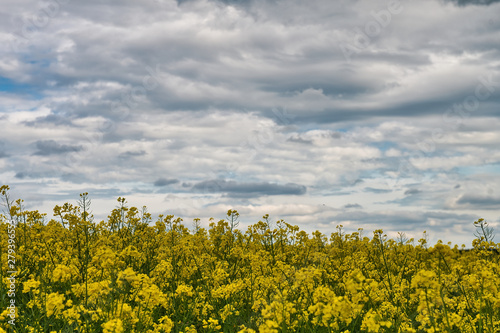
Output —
(365, 113)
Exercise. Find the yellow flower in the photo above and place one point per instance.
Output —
(165, 325)
(55, 304)
(269, 326)
(183, 290)
(127, 275)
(113, 326)
(372, 322)
(244, 329)
(71, 315)
(227, 311)
(31, 285)
(211, 324)
(61, 273)
(190, 329)
(4, 314)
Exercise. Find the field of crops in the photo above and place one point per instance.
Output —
(133, 274)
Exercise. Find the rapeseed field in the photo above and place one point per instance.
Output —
(131, 273)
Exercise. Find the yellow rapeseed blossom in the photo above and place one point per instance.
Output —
(183, 290)
(211, 324)
(31, 286)
(190, 329)
(165, 325)
(127, 276)
(244, 329)
(113, 326)
(72, 315)
(55, 304)
(61, 273)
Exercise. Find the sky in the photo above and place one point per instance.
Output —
(363, 113)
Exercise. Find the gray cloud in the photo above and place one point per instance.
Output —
(313, 90)
(351, 206)
(355, 182)
(377, 190)
(479, 201)
(165, 182)
(474, 2)
(408, 220)
(249, 189)
(52, 119)
(3, 153)
(130, 154)
(412, 191)
(21, 175)
(51, 147)
(298, 139)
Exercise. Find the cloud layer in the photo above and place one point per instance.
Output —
(362, 113)
(249, 189)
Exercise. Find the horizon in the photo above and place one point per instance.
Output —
(244, 225)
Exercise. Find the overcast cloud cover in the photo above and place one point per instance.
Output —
(365, 113)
